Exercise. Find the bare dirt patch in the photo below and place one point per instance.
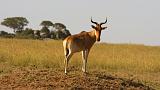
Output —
(48, 79)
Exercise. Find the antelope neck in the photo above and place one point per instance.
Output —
(92, 35)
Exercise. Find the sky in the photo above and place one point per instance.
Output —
(129, 21)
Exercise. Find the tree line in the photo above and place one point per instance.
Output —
(48, 30)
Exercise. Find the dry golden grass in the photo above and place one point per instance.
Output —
(19, 52)
(141, 61)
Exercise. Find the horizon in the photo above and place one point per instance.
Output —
(132, 22)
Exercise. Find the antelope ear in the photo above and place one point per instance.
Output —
(93, 27)
(104, 28)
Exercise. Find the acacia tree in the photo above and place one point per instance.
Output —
(59, 26)
(45, 32)
(46, 23)
(61, 31)
(16, 23)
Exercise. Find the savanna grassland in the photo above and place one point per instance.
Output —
(32, 61)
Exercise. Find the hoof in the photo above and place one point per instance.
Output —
(83, 70)
(85, 73)
(65, 72)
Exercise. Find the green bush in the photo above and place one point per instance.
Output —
(25, 34)
(4, 34)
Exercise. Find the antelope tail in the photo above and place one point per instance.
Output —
(65, 45)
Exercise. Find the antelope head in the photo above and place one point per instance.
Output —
(98, 28)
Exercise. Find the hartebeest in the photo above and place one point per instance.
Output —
(82, 42)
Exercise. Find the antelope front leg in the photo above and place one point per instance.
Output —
(84, 58)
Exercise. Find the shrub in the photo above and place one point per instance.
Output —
(45, 33)
(26, 34)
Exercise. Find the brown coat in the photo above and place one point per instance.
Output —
(80, 42)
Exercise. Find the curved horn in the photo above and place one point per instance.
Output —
(104, 22)
(93, 21)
